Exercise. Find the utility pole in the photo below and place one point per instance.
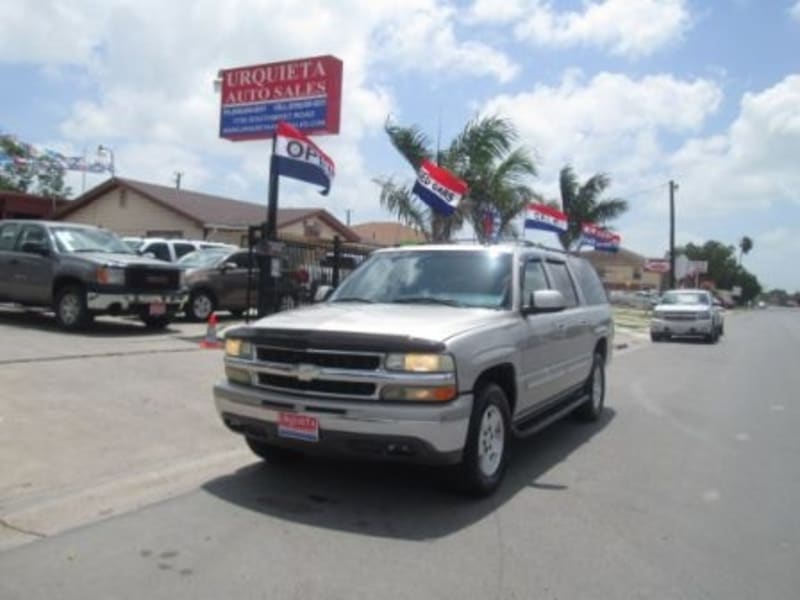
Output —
(672, 187)
(350, 210)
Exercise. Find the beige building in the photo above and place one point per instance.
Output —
(623, 270)
(387, 233)
(136, 208)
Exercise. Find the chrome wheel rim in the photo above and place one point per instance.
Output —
(70, 309)
(597, 388)
(202, 306)
(491, 441)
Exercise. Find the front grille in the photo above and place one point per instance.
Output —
(342, 388)
(330, 360)
(149, 279)
(680, 316)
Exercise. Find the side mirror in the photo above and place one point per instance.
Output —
(545, 301)
(228, 266)
(323, 293)
(39, 248)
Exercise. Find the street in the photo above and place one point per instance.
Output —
(687, 488)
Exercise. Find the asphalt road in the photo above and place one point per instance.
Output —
(687, 489)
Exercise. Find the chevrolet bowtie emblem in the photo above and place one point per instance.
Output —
(307, 372)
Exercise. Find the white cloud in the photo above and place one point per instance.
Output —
(795, 11)
(753, 164)
(629, 28)
(609, 123)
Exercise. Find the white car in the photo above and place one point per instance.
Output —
(170, 250)
(687, 313)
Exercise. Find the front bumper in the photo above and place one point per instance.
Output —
(130, 303)
(677, 327)
(425, 434)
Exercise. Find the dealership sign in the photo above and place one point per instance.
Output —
(305, 93)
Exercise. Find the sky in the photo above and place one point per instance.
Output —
(705, 93)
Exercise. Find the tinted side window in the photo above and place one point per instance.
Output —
(533, 279)
(563, 282)
(159, 250)
(242, 260)
(589, 282)
(182, 248)
(8, 234)
(34, 234)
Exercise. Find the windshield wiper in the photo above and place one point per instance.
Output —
(354, 299)
(90, 250)
(426, 300)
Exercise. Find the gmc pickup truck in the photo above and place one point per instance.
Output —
(81, 271)
(428, 354)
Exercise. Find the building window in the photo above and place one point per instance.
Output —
(311, 229)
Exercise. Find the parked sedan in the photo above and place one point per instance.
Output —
(687, 313)
(218, 279)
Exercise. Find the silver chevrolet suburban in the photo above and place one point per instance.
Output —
(428, 354)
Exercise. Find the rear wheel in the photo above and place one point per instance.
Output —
(70, 307)
(486, 451)
(595, 390)
(272, 454)
(201, 304)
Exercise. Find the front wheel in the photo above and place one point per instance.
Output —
(70, 307)
(486, 451)
(200, 306)
(595, 391)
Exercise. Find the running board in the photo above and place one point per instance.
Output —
(539, 421)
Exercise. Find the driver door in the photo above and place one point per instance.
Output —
(31, 271)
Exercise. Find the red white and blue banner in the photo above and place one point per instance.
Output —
(439, 188)
(296, 156)
(41, 159)
(599, 238)
(540, 216)
(305, 92)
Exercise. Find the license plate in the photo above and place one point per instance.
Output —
(298, 427)
(157, 309)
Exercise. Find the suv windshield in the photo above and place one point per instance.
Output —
(77, 239)
(202, 259)
(684, 298)
(475, 279)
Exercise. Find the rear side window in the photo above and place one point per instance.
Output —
(182, 248)
(241, 259)
(563, 282)
(8, 235)
(589, 282)
(533, 279)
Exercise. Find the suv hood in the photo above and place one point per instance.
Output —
(120, 259)
(437, 323)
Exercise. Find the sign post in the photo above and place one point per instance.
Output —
(306, 93)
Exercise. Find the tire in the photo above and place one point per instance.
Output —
(595, 389)
(72, 313)
(655, 337)
(200, 306)
(236, 313)
(721, 329)
(272, 454)
(160, 322)
(487, 447)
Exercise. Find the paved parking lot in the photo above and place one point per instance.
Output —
(96, 423)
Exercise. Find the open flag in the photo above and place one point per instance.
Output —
(296, 156)
(599, 238)
(541, 216)
(439, 188)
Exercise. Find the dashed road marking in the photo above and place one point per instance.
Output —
(743, 437)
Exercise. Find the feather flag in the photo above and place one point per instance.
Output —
(298, 157)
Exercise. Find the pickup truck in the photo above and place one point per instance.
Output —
(81, 271)
(428, 354)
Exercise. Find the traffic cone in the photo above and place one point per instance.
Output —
(211, 340)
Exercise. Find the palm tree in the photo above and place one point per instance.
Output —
(582, 204)
(482, 155)
(745, 245)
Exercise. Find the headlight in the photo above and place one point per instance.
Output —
(238, 348)
(110, 276)
(658, 314)
(420, 363)
(433, 393)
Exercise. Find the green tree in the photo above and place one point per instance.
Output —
(745, 245)
(723, 268)
(482, 155)
(42, 175)
(582, 204)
